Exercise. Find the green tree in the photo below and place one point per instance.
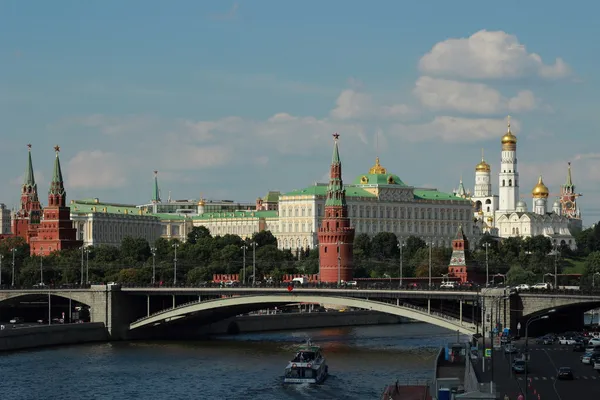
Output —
(412, 245)
(384, 246)
(264, 238)
(517, 275)
(592, 263)
(197, 233)
(362, 246)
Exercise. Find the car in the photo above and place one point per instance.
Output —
(510, 349)
(579, 346)
(16, 320)
(595, 357)
(566, 340)
(448, 285)
(597, 365)
(519, 366)
(594, 342)
(542, 286)
(522, 286)
(589, 357)
(564, 373)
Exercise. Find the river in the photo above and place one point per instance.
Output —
(362, 360)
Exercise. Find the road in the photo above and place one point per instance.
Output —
(543, 365)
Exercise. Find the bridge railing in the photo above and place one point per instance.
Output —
(50, 286)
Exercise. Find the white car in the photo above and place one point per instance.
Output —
(448, 285)
(594, 342)
(522, 286)
(597, 366)
(542, 285)
(566, 340)
(586, 358)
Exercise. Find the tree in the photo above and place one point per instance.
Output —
(362, 246)
(412, 245)
(264, 238)
(517, 275)
(197, 233)
(592, 263)
(384, 246)
(135, 249)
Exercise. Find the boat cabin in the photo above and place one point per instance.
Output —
(307, 355)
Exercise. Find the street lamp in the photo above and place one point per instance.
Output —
(82, 252)
(339, 264)
(487, 264)
(175, 246)
(253, 244)
(153, 251)
(529, 321)
(401, 247)
(87, 265)
(13, 251)
(41, 265)
(244, 248)
(430, 250)
(1, 257)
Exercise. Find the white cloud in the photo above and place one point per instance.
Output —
(477, 98)
(488, 55)
(454, 129)
(96, 169)
(39, 176)
(353, 104)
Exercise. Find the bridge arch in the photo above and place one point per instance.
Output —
(259, 301)
(80, 297)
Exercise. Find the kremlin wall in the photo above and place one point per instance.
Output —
(324, 215)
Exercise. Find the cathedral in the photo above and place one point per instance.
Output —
(506, 214)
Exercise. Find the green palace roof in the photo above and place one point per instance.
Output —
(321, 190)
(237, 214)
(94, 205)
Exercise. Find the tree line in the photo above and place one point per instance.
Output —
(202, 255)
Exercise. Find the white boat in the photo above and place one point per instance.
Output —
(308, 366)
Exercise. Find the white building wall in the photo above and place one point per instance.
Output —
(508, 181)
(100, 228)
(5, 220)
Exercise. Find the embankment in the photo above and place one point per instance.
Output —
(51, 335)
(296, 321)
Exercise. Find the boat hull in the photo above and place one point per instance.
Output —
(311, 381)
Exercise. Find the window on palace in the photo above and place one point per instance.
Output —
(368, 211)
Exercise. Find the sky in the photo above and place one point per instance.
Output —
(228, 100)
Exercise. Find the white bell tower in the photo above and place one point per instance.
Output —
(508, 175)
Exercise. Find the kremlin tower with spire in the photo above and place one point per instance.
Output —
(336, 236)
(27, 219)
(56, 231)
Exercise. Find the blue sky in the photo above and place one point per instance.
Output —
(230, 100)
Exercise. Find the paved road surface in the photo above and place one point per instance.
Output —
(543, 365)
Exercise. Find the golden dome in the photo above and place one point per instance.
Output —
(377, 169)
(483, 166)
(540, 190)
(509, 138)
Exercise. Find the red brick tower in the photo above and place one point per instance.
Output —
(27, 219)
(336, 236)
(56, 230)
(458, 262)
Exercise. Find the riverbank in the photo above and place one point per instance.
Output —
(51, 335)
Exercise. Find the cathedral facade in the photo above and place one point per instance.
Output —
(506, 214)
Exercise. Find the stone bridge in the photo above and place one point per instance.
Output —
(130, 312)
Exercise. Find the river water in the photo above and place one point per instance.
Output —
(362, 361)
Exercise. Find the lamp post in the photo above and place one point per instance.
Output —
(175, 246)
(82, 252)
(339, 264)
(430, 250)
(1, 257)
(556, 266)
(13, 251)
(529, 321)
(401, 247)
(253, 244)
(41, 265)
(153, 251)
(244, 248)
(87, 266)
(487, 264)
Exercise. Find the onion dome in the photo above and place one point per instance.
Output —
(377, 169)
(482, 166)
(509, 141)
(540, 190)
